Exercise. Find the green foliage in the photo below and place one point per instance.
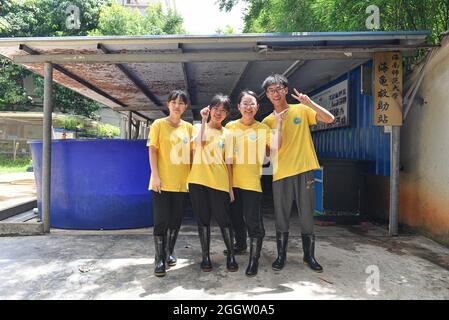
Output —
(69, 123)
(7, 164)
(227, 5)
(345, 15)
(107, 130)
(227, 30)
(68, 101)
(342, 15)
(43, 18)
(32, 18)
(87, 128)
(118, 20)
(12, 94)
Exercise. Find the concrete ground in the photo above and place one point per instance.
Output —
(16, 188)
(360, 262)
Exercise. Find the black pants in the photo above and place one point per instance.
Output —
(246, 214)
(207, 202)
(168, 211)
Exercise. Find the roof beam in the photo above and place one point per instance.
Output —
(142, 115)
(301, 53)
(34, 53)
(417, 36)
(187, 82)
(133, 77)
(189, 57)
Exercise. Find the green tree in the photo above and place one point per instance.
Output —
(12, 95)
(32, 18)
(342, 15)
(68, 101)
(118, 20)
(227, 30)
(44, 18)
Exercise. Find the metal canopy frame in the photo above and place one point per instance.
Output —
(42, 55)
(303, 53)
(136, 73)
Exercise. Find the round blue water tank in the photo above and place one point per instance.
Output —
(96, 184)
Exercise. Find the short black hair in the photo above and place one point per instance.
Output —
(247, 92)
(274, 79)
(175, 94)
(220, 98)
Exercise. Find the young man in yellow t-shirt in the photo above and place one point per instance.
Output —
(293, 166)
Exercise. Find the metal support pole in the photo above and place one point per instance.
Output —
(130, 125)
(46, 148)
(394, 179)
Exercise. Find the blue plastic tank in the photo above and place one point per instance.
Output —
(96, 184)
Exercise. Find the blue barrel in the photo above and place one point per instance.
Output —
(96, 184)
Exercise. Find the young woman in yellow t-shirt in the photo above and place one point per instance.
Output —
(251, 143)
(209, 180)
(169, 150)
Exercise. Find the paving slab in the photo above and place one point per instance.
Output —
(16, 188)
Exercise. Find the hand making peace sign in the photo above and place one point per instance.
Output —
(302, 98)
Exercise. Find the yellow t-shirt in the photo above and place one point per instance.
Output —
(173, 156)
(209, 166)
(297, 153)
(249, 148)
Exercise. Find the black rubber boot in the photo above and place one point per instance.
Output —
(239, 243)
(237, 250)
(308, 246)
(231, 264)
(172, 236)
(255, 245)
(204, 233)
(281, 242)
(159, 257)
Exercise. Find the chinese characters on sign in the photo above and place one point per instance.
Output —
(388, 89)
(334, 99)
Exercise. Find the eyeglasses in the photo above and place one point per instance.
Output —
(245, 105)
(279, 89)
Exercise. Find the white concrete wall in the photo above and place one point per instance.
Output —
(424, 187)
(110, 116)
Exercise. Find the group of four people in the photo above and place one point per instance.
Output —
(220, 167)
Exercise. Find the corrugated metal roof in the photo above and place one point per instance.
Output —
(206, 64)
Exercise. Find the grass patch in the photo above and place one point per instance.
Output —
(8, 165)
